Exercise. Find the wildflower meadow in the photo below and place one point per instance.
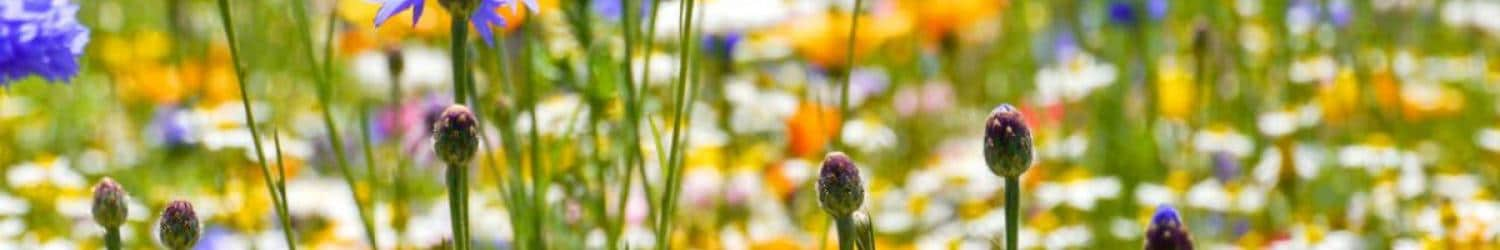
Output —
(750, 124)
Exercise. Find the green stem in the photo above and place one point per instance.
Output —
(112, 238)
(848, 69)
(460, 29)
(455, 204)
(239, 72)
(1012, 205)
(324, 89)
(846, 231)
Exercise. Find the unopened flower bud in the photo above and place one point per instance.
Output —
(179, 226)
(839, 187)
(109, 203)
(455, 135)
(1167, 232)
(1007, 142)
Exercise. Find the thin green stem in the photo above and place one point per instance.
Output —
(112, 238)
(324, 89)
(664, 218)
(239, 72)
(845, 226)
(460, 30)
(455, 201)
(848, 68)
(1012, 205)
(281, 185)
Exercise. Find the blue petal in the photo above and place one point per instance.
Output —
(416, 14)
(531, 5)
(390, 8)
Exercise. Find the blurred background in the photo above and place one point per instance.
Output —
(1285, 124)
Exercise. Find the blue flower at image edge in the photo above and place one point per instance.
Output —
(41, 38)
(483, 17)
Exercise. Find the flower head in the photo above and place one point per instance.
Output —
(1007, 142)
(109, 203)
(481, 12)
(179, 226)
(455, 135)
(1166, 231)
(839, 187)
(41, 38)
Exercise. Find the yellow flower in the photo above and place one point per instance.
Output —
(1339, 98)
(940, 18)
(1175, 90)
(823, 39)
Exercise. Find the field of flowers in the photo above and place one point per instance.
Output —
(749, 124)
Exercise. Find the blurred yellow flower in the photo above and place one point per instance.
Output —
(1176, 90)
(942, 18)
(823, 39)
(1339, 98)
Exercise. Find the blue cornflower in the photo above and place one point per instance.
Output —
(1166, 231)
(483, 17)
(40, 37)
(1123, 12)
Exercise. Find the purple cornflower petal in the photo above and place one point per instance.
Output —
(390, 8)
(485, 16)
(41, 38)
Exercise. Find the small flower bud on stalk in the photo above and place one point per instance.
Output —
(1167, 232)
(455, 138)
(1007, 142)
(841, 193)
(110, 210)
(1007, 151)
(179, 227)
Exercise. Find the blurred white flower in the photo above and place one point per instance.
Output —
(756, 110)
(868, 135)
(1223, 140)
(1210, 195)
(55, 172)
(557, 114)
(424, 69)
(1320, 68)
(1152, 194)
(1276, 123)
(1073, 79)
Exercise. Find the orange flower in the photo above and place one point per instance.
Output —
(943, 17)
(810, 128)
(824, 39)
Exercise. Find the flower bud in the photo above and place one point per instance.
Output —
(1167, 232)
(1007, 142)
(109, 203)
(839, 187)
(455, 135)
(179, 226)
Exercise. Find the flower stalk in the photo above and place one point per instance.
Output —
(278, 197)
(1007, 151)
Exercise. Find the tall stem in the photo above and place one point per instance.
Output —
(846, 231)
(112, 238)
(239, 73)
(324, 94)
(1012, 205)
(460, 29)
(848, 69)
(457, 173)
